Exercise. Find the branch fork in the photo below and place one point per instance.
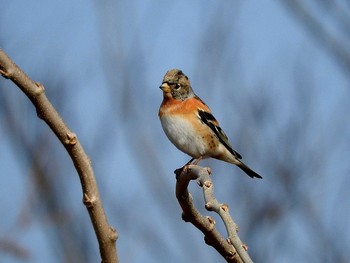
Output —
(231, 248)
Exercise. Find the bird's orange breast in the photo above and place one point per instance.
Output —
(177, 107)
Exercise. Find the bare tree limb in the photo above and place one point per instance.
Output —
(106, 235)
(232, 248)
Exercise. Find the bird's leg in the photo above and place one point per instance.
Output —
(196, 161)
(192, 161)
(189, 162)
(179, 170)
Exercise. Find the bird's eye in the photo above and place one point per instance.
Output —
(177, 86)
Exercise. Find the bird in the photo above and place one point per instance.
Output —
(190, 125)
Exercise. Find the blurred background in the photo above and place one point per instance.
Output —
(276, 76)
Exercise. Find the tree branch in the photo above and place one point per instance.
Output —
(106, 235)
(232, 248)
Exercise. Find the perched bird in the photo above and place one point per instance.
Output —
(191, 127)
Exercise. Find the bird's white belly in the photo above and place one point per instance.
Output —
(183, 135)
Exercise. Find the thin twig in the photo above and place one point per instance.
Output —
(106, 235)
(232, 248)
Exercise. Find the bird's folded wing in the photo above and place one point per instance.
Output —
(208, 119)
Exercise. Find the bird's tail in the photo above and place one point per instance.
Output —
(247, 170)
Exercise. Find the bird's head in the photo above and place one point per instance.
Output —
(176, 85)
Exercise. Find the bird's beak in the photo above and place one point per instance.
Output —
(165, 87)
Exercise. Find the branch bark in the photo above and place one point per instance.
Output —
(106, 235)
(232, 248)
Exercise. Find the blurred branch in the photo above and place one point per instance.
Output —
(232, 249)
(337, 46)
(106, 235)
(11, 247)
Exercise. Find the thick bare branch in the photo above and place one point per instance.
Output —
(106, 234)
(232, 248)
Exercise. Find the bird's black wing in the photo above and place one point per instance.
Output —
(208, 119)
